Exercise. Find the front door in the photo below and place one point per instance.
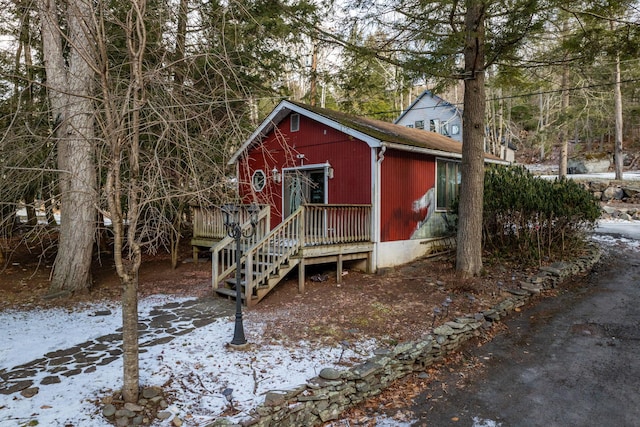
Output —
(304, 186)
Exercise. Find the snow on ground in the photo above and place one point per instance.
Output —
(195, 367)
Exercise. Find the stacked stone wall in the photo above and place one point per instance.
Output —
(333, 391)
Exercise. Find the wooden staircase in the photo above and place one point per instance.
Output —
(263, 261)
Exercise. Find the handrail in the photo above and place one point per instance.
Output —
(265, 257)
(335, 224)
(208, 222)
(267, 251)
(223, 256)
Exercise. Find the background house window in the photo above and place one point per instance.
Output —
(258, 180)
(295, 122)
(410, 126)
(455, 129)
(434, 125)
(419, 124)
(448, 180)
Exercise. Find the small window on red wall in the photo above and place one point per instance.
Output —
(295, 122)
(258, 180)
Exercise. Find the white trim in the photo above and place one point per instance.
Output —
(316, 166)
(295, 128)
(440, 153)
(376, 201)
(264, 180)
(286, 107)
(437, 209)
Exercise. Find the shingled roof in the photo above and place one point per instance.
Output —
(376, 133)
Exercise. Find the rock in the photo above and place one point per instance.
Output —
(124, 413)
(588, 165)
(631, 191)
(29, 392)
(612, 193)
(329, 374)
(444, 330)
(163, 415)
(150, 392)
(122, 422)
(133, 407)
(274, 398)
(609, 209)
(109, 410)
(176, 421)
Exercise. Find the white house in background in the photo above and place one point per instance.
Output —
(432, 113)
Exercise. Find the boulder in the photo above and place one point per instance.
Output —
(579, 166)
(612, 193)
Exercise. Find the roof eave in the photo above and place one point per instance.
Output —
(282, 110)
(439, 153)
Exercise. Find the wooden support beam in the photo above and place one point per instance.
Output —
(301, 276)
(339, 268)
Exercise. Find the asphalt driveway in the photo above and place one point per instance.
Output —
(572, 360)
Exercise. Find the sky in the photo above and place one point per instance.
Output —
(197, 366)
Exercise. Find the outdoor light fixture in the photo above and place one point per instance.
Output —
(233, 224)
(277, 177)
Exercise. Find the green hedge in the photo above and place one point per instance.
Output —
(532, 218)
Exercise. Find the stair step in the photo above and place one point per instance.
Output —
(231, 293)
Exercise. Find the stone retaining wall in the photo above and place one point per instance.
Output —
(333, 391)
(619, 199)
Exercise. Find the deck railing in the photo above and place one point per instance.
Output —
(265, 253)
(335, 224)
(208, 222)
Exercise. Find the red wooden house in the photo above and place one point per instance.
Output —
(337, 187)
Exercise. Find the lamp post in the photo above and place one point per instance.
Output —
(233, 225)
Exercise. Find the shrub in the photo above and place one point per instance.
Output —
(530, 217)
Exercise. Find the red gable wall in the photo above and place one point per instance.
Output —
(406, 178)
(350, 159)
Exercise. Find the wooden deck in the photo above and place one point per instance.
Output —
(313, 234)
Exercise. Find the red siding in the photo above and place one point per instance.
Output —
(350, 159)
(406, 177)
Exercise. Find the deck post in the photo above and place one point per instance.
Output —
(301, 276)
(339, 268)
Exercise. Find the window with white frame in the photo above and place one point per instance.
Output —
(419, 124)
(295, 122)
(448, 180)
(258, 180)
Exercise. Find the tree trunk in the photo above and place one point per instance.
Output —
(469, 238)
(69, 90)
(564, 132)
(618, 154)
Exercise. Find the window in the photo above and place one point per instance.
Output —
(447, 183)
(410, 126)
(295, 122)
(455, 129)
(434, 125)
(258, 180)
(419, 124)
